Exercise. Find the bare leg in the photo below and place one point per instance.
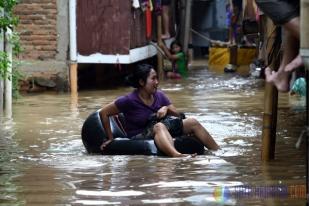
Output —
(297, 62)
(293, 26)
(166, 22)
(290, 59)
(165, 141)
(173, 75)
(191, 125)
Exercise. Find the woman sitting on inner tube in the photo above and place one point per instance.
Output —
(138, 107)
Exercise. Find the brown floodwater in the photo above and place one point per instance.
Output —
(43, 160)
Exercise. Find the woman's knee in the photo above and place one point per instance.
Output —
(159, 127)
(191, 122)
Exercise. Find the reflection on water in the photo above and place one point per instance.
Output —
(43, 160)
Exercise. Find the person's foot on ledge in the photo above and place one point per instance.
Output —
(280, 79)
(166, 36)
(185, 155)
(294, 64)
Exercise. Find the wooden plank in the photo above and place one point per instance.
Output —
(137, 29)
(103, 26)
(134, 55)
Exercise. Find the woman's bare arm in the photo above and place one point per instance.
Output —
(105, 113)
(171, 110)
(170, 56)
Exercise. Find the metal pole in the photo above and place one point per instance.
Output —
(8, 79)
(73, 47)
(1, 80)
(1, 97)
(72, 18)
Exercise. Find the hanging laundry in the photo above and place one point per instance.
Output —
(136, 4)
(158, 7)
(148, 13)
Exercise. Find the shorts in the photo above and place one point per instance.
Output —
(165, 2)
(280, 11)
(173, 124)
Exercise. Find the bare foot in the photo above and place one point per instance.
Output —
(166, 36)
(297, 62)
(280, 79)
(185, 155)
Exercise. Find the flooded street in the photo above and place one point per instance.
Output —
(43, 160)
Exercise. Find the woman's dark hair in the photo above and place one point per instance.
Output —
(141, 72)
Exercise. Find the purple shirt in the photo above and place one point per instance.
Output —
(137, 113)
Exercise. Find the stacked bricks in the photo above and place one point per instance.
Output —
(37, 28)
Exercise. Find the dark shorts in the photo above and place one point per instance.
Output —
(173, 124)
(280, 11)
(166, 2)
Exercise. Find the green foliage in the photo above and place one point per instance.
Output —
(4, 62)
(9, 21)
(16, 76)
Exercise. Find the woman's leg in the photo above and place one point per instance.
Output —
(164, 141)
(191, 125)
(166, 22)
(290, 60)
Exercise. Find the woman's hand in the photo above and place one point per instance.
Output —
(104, 144)
(162, 112)
(160, 44)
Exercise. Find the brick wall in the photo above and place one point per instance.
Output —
(38, 28)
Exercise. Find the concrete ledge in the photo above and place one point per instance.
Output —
(47, 66)
(48, 70)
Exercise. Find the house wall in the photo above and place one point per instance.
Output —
(38, 28)
(44, 37)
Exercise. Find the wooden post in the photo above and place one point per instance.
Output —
(73, 77)
(304, 51)
(74, 102)
(269, 122)
(159, 55)
(187, 26)
(270, 105)
(233, 54)
(182, 5)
